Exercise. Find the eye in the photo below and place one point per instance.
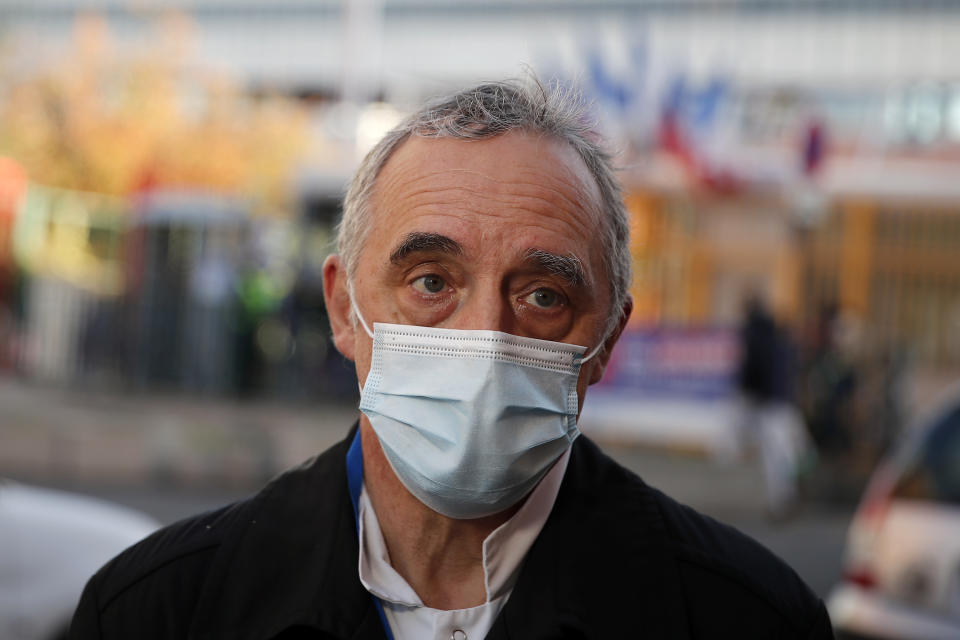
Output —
(429, 284)
(544, 298)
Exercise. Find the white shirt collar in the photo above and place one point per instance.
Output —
(503, 550)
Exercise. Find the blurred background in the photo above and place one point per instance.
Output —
(171, 173)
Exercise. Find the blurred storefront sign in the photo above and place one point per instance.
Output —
(685, 363)
(668, 387)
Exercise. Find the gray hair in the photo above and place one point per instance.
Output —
(486, 111)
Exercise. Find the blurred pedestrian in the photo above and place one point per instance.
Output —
(829, 384)
(768, 415)
(480, 285)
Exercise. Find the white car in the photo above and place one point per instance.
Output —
(51, 542)
(902, 565)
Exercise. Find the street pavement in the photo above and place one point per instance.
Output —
(171, 456)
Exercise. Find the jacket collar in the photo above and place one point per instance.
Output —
(291, 562)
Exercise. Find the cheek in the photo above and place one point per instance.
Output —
(362, 352)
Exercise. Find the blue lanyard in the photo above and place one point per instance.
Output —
(355, 485)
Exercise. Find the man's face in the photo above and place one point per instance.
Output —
(500, 234)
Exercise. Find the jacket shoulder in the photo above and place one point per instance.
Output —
(727, 580)
(159, 582)
(726, 575)
(162, 573)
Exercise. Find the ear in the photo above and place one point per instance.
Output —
(603, 358)
(337, 298)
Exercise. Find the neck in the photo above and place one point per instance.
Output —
(440, 557)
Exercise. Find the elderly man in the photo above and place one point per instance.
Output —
(480, 285)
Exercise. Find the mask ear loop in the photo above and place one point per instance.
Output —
(363, 323)
(594, 352)
(356, 310)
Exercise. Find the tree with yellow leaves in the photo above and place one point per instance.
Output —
(118, 121)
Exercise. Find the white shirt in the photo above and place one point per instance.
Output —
(503, 552)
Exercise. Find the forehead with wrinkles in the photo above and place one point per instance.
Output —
(530, 178)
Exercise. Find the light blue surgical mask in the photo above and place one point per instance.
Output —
(470, 421)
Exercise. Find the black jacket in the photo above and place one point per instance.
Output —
(616, 559)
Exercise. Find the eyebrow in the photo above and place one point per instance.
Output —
(569, 267)
(419, 242)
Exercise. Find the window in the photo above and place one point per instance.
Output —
(935, 474)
